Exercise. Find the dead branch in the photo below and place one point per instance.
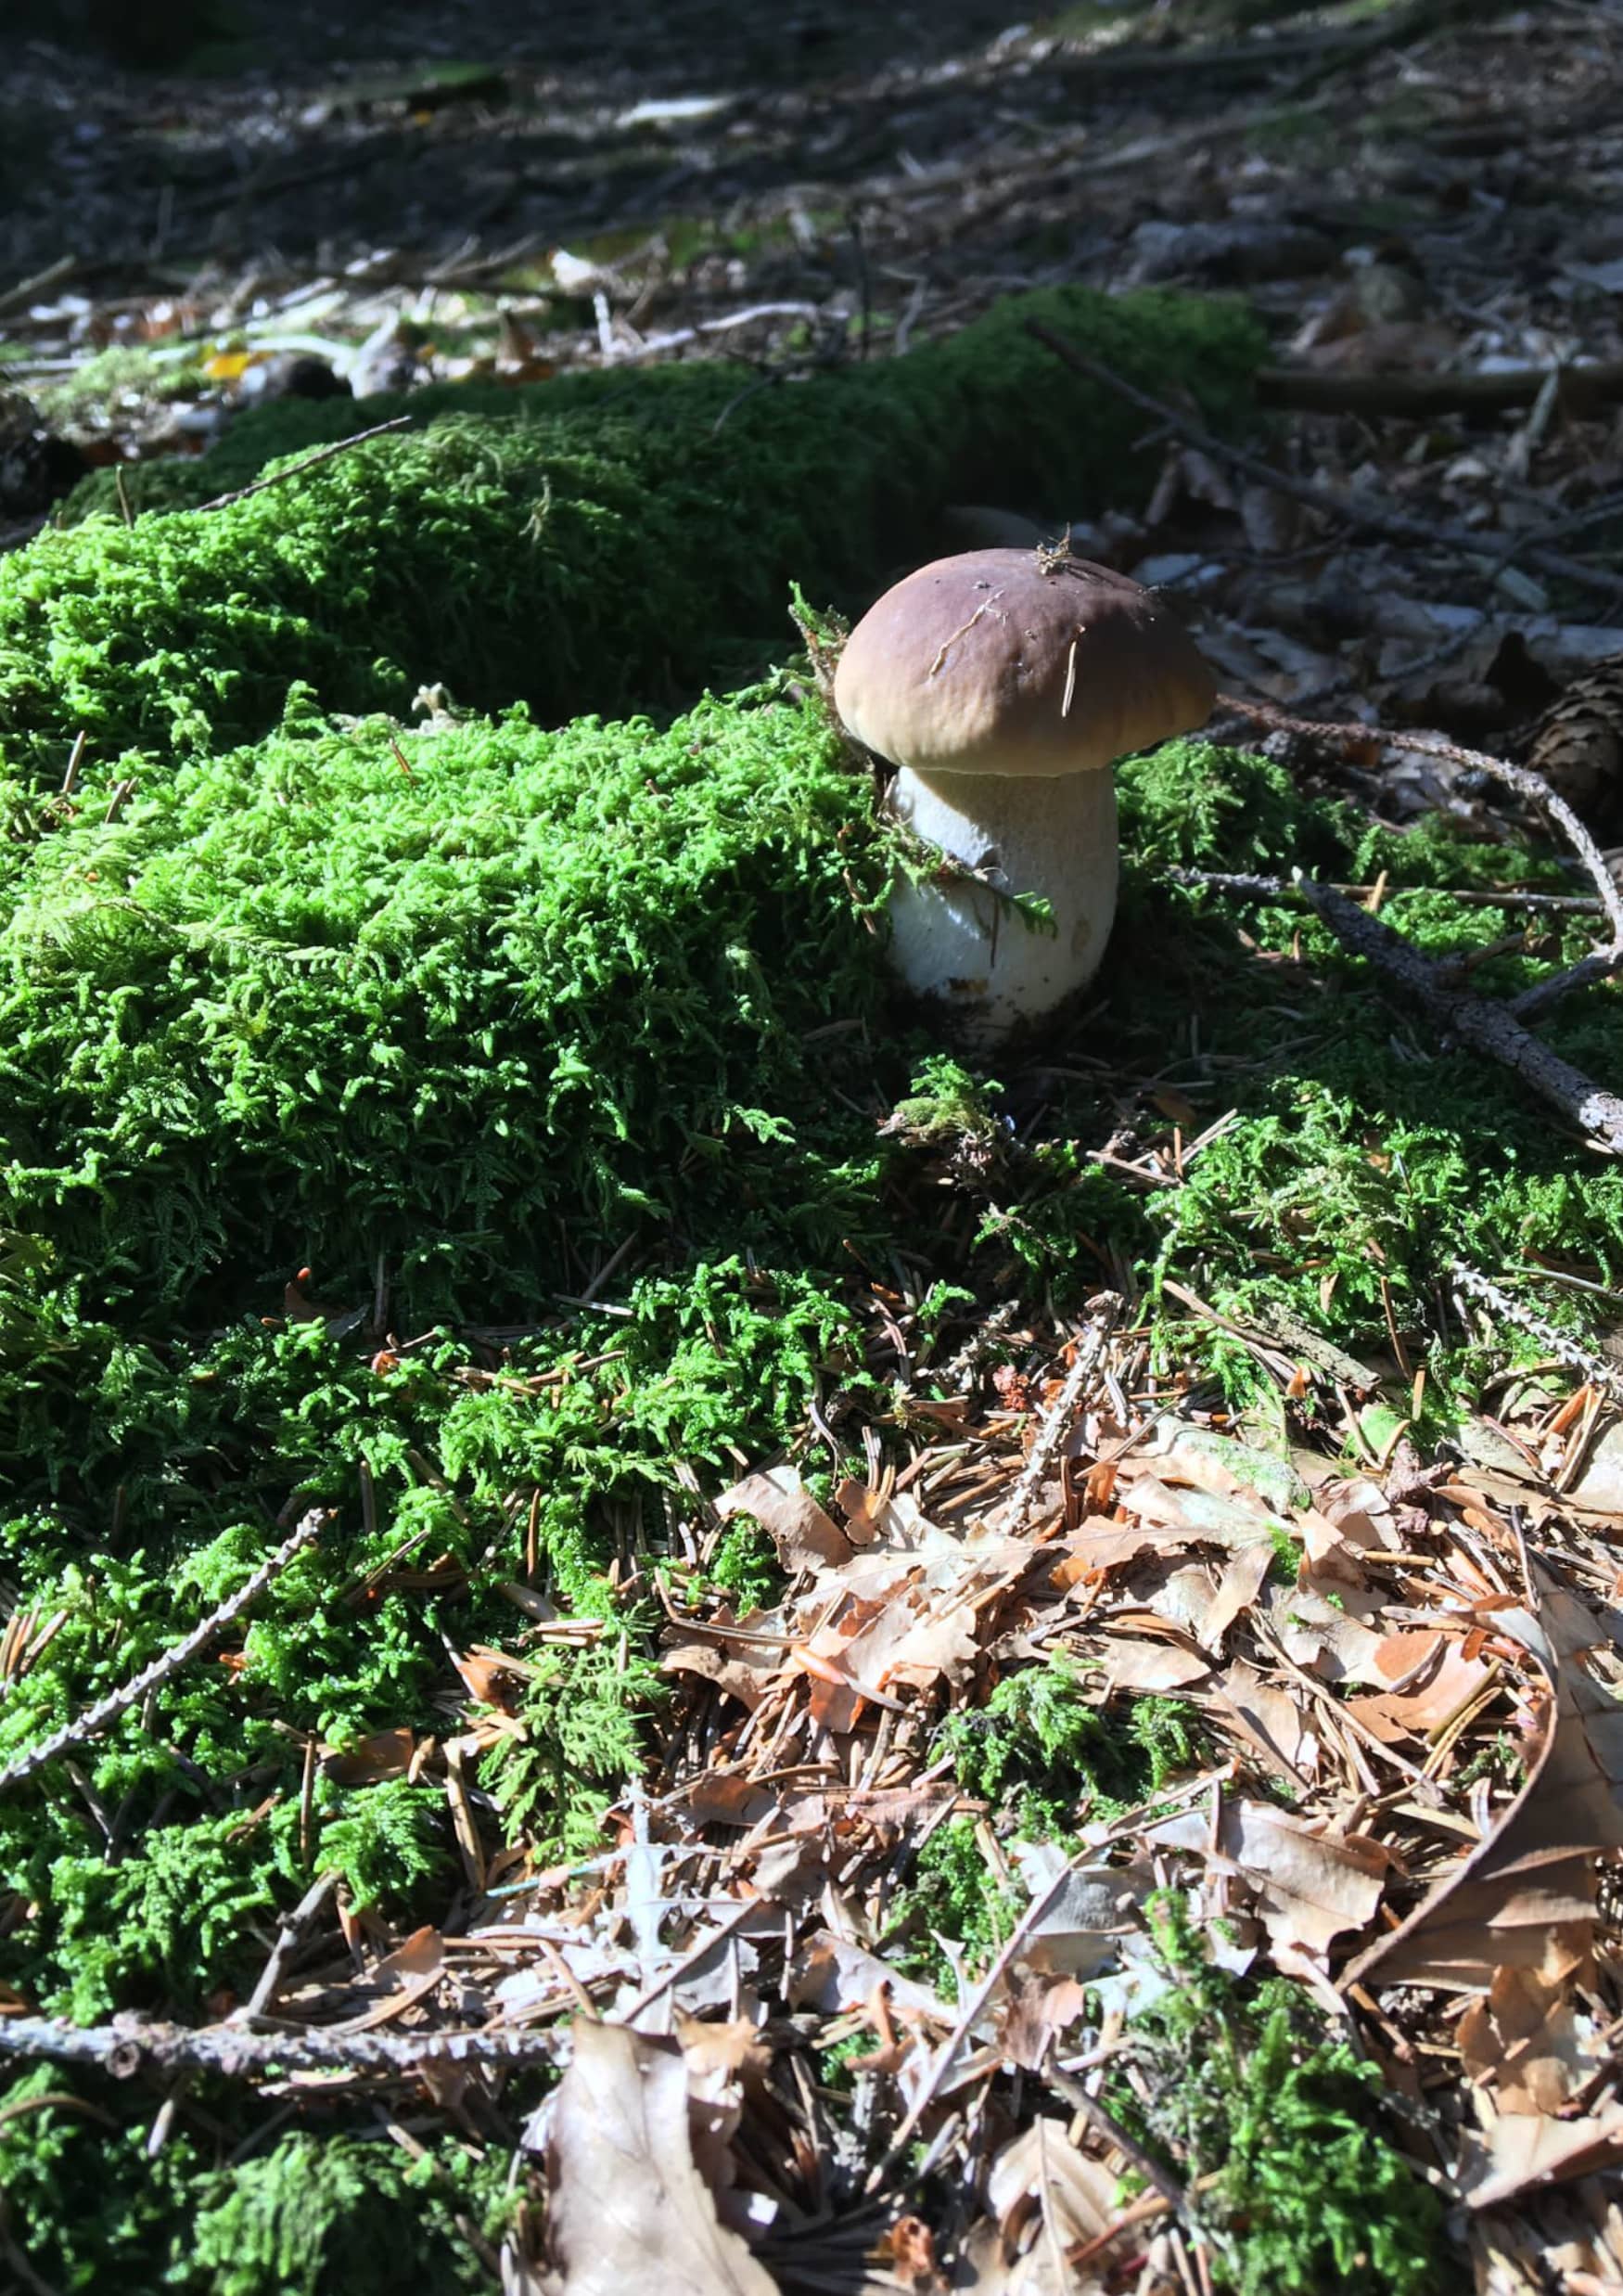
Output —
(1355, 510)
(1521, 778)
(1107, 1307)
(1475, 1020)
(296, 469)
(1312, 391)
(130, 2046)
(1561, 1345)
(95, 1718)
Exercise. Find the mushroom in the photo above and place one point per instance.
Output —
(1003, 684)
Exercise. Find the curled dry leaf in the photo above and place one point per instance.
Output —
(1525, 1896)
(805, 1537)
(1047, 2200)
(627, 2206)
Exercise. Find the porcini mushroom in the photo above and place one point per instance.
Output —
(1004, 685)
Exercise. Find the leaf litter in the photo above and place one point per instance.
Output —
(1397, 1790)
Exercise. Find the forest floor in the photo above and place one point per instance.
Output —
(1372, 1678)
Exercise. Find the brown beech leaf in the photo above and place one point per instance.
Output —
(1521, 2040)
(1526, 2150)
(1525, 1898)
(746, 1669)
(1047, 2199)
(627, 2208)
(804, 1536)
(1310, 1887)
(1138, 1664)
(1436, 1679)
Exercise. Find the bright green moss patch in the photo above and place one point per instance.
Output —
(1307, 2190)
(310, 2213)
(578, 545)
(1046, 1758)
(485, 1002)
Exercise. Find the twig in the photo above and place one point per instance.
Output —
(1469, 896)
(1521, 778)
(1353, 510)
(1107, 1307)
(292, 1929)
(54, 274)
(1309, 391)
(95, 1718)
(296, 469)
(1475, 1020)
(130, 2044)
(1560, 1344)
(1599, 965)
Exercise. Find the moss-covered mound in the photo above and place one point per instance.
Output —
(578, 547)
(478, 1003)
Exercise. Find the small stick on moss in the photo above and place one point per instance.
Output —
(1475, 1020)
(94, 1719)
(296, 469)
(288, 1937)
(130, 2046)
(1351, 509)
(1521, 778)
(1561, 1345)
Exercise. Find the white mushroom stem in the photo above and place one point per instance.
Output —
(960, 942)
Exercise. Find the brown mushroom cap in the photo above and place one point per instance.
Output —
(1018, 661)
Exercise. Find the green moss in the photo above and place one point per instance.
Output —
(745, 1565)
(579, 545)
(1046, 1757)
(1308, 2190)
(344, 995)
(950, 1896)
(88, 2207)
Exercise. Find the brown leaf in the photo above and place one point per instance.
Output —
(1436, 1679)
(804, 1536)
(1048, 2199)
(1037, 2011)
(387, 1753)
(1521, 2041)
(1310, 1887)
(628, 2209)
(1135, 1664)
(1269, 1721)
(1525, 1896)
(746, 1670)
(1527, 2151)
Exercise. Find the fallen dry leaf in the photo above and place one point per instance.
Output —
(1525, 1894)
(1521, 2040)
(627, 2206)
(1047, 2200)
(804, 1536)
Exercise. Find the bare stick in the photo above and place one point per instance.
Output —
(1352, 509)
(292, 1929)
(95, 1718)
(1521, 778)
(1105, 1308)
(1475, 1020)
(296, 469)
(1560, 1344)
(1312, 390)
(131, 2045)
